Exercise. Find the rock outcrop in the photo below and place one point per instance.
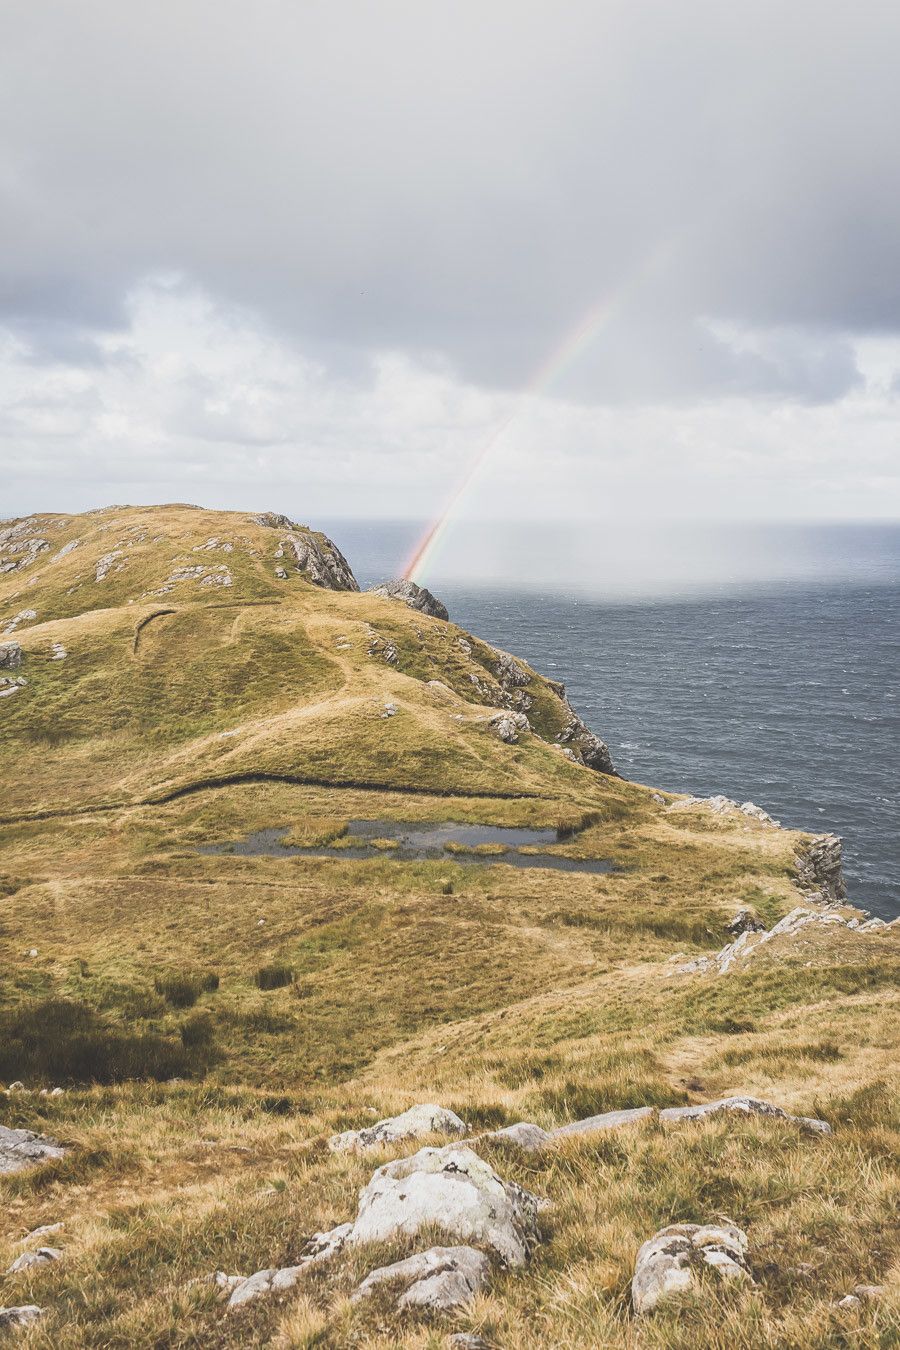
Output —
(747, 1106)
(455, 1190)
(10, 656)
(724, 806)
(416, 1123)
(320, 560)
(670, 1262)
(417, 597)
(820, 873)
(751, 940)
(320, 1247)
(23, 1148)
(22, 1316)
(42, 1257)
(440, 1279)
(609, 1120)
(509, 726)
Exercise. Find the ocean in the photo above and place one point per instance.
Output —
(782, 689)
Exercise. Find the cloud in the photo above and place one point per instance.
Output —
(197, 400)
(462, 180)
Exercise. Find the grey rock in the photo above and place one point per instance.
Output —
(524, 1135)
(508, 726)
(416, 1123)
(42, 1257)
(321, 561)
(668, 1262)
(21, 1316)
(45, 1230)
(820, 870)
(724, 806)
(610, 1120)
(587, 748)
(263, 1282)
(417, 597)
(10, 656)
(863, 1293)
(467, 1340)
(23, 1148)
(320, 1247)
(744, 921)
(454, 1189)
(441, 1278)
(748, 1106)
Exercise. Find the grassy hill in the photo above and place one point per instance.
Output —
(192, 677)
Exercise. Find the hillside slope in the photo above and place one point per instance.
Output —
(222, 936)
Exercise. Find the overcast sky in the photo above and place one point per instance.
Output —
(282, 253)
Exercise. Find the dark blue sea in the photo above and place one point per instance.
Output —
(783, 689)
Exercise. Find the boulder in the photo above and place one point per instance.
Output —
(10, 655)
(23, 1148)
(452, 1188)
(42, 1257)
(748, 1106)
(416, 1123)
(610, 1120)
(467, 1340)
(417, 597)
(508, 726)
(45, 1230)
(524, 1135)
(22, 1316)
(440, 1279)
(669, 1262)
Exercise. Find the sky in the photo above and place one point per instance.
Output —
(313, 256)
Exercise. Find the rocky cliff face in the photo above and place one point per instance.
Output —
(417, 597)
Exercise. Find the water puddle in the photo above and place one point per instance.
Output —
(415, 841)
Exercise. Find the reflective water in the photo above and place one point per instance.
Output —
(416, 841)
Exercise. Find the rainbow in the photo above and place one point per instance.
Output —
(572, 346)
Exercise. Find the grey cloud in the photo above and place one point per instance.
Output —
(465, 179)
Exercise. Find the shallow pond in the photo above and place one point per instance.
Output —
(417, 840)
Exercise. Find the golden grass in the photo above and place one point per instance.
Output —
(506, 994)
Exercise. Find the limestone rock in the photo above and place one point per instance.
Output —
(416, 1123)
(508, 726)
(22, 1316)
(820, 870)
(467, 1340)
(455, 1189)
(45, 1230)
(42, 1257)
(724, 806)
(863, 1293)
(748, 1106)
(748, 942)
(417, 597)
(744, 921)
(10, 656)
(524, 1135)
(441, 1279)
(320, 1247)
(58, 652)
(320, 560)
(270, 1281)
(23, 1148)
(668, 1262)
(587, 748)
(610, 1120)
